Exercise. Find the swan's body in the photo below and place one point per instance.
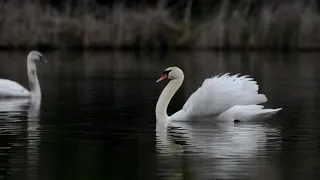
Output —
(223, 98)
(10, 88)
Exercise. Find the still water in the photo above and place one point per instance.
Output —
(96, 119)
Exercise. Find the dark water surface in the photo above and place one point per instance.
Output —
(96, 119)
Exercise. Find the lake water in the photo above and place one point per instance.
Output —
(96, 119)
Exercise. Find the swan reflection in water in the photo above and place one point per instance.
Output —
(231, 150)
(13, 113)
(33, 138)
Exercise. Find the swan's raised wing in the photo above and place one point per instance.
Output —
(11, 88)
(219, 93)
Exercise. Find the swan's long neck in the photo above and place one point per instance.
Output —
(165, 98)
(34, 85)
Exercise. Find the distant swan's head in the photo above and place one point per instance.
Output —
(171, 73)
(36, 56)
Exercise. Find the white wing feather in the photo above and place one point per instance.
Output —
(11, 88)
(219, 93)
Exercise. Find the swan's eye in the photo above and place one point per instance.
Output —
(42, 59)
(166, 72)
(163, 76)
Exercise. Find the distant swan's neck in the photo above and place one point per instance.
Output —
(35, 90)
(165, 98)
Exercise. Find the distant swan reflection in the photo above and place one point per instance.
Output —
(33, 138)
(20, 117)
(24, 110)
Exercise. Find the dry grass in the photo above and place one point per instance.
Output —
(291, 25)
(30, 24)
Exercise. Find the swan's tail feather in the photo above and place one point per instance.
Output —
(248, 113)
(265, 113)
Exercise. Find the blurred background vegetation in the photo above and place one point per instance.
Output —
(220, 24)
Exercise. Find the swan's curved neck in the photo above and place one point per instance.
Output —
(34, 85)
(165, 98)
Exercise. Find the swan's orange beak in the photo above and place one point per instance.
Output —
(163, 77)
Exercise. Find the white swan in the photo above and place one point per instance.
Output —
(10, 88)
(223, 97)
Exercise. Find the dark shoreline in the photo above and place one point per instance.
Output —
(286, 27)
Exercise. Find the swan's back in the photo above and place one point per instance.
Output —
(10, 88)
(219, 93)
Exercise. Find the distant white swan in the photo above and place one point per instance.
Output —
(10, 88)
(223, 97)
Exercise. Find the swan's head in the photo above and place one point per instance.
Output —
(171, 73)
(36, 56)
